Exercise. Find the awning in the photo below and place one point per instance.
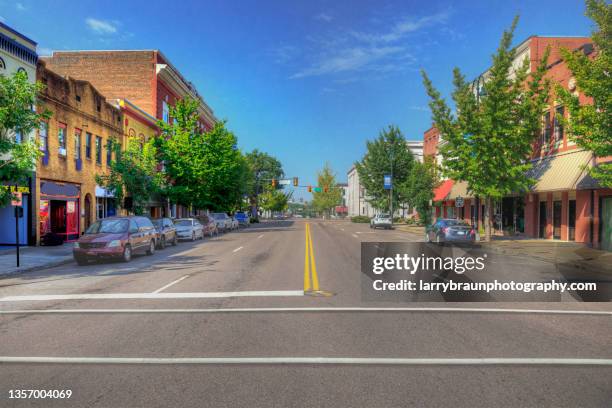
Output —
(441, 192)
(560, 172)
(459, 189)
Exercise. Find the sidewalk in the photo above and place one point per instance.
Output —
(33, 258)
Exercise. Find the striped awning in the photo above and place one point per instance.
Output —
(562, 171)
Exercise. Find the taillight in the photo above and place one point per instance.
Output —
(444, 229)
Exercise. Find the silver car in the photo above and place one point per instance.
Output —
(223, 221)
(381, 221)
(189, 228)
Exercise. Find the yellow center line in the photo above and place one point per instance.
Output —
(313, 265)
(306, 267)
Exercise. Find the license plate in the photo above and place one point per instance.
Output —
(460, 232)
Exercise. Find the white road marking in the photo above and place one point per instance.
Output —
(237, 249)
(261, 236)
(179, 295)
(317, 309)
(355, 236)
(309, 360)
(170, 284)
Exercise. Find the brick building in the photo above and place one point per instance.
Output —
(565, 203)
(144, 77)
(76, 145)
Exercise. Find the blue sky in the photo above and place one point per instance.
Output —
(307, 81)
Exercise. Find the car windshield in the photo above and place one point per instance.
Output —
(218, 216)
(108, 226)
(158, 223)
(383, 216)
(183, 223)
(453, 223)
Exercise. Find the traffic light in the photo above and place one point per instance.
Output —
(295, 181)
(273, 182)
(310, 189)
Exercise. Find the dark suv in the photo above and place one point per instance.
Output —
(116, 237)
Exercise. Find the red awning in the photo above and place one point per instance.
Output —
(442, 191)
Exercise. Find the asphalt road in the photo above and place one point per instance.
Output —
(164, 330)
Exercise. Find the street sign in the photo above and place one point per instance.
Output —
(317, 189)
(284, 182)
(388, 183)
(16, 201)
(459, 202)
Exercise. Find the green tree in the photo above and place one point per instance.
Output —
(330, 195)
(263, 168)
(590, 125)
(133, 173)
(274, 200)
(388, 154)
(489, 139)
(203, 170)
(420, 186)
(18, 152)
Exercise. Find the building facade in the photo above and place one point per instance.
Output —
(18, 54)
(146, 78)
(77, 145)
(356, 196)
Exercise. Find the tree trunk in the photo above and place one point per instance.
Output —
(487, 219)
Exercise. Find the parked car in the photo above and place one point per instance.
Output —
(242, 218)
(223, 221)
(189, 228)
(166, 232)
(116, 237)
(381, 221)
(444, 230)
(209, 225)
(235, 223)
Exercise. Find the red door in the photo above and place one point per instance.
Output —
(72, 220)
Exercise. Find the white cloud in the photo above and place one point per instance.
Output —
(381, 52)
(324, 17)
(284, 54)
(20, 7)
(101, 26)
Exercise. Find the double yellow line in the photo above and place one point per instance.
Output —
(311, 280)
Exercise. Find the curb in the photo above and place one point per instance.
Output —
(25, 269)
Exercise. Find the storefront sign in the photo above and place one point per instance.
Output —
(16, 201)
(70, 207)
(17, 189)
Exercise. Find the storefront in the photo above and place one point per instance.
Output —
(59, 211)
(106, 205)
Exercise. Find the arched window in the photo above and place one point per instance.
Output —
(132, 133)
(21, 69)
(2, 65)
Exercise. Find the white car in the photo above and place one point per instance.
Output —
(381, 221)
(189, 228)
(223, 221)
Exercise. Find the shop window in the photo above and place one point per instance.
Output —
(61, 139)
(88, 145)
(558, 127)
(98, 150)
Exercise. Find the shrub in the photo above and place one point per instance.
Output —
(360, 219)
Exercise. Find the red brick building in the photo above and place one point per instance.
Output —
(146, 78)
(565, 203)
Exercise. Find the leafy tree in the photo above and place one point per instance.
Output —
(420, 186)
(204, 170)
(133, 173)
(263, 167)
(388, 154)
(17, 121)
(590, 125)
(489, 139)
(330, 194)
(274, 200)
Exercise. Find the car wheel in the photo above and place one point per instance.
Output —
(438, 239)
(162, 243)
(151, 249)
(127, 253)
(80, 260)
(193, 236)
(175, 240)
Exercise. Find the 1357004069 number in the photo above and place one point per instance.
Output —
(39, 394)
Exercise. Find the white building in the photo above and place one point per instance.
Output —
(416, 147)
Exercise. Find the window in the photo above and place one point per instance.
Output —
(61, 139)
(77, 144)
(2, 65)
(42, 134)
(21, 69)
(88, 145)
(109, 151)
(558, 128)
(165, 112)
(98, 150)
(546, 130)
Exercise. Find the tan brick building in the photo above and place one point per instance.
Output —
(76, 146)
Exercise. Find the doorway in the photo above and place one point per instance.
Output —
(606, 223)
(543, 220)
(571, 221)
(557, 219)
